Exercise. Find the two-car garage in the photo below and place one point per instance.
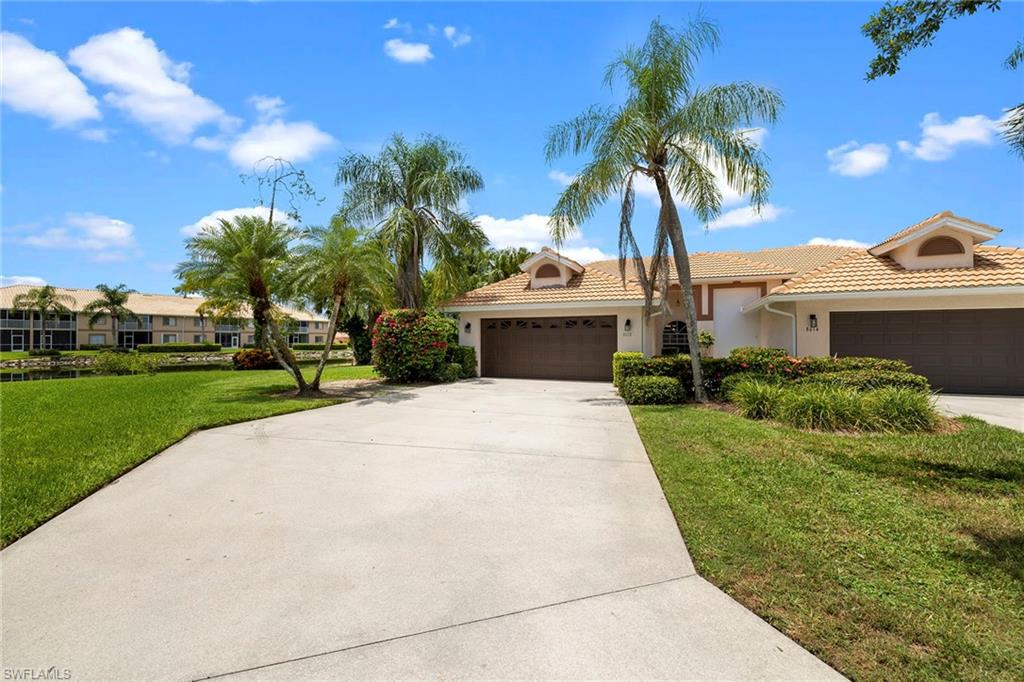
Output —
(549, 347)
(960, 351)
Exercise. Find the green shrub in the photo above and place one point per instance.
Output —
(318, 346)
(178, 347)
(412, 345)
(867, 379)
(755, 398)
(452, 371)
(254, 358)
(901, 409)
(652, 390)
(126, 363)
(99, 346)
(634, 364)
(731, 380)
(465, 358)
(43, 353)
(359, 340)
(768, 361)
(823, 408)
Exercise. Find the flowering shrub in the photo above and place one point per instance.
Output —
(254, 358)
(412, 345)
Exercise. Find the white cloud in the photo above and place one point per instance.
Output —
(295, 142)
(939, 140)
(563, 179)
(212, 220)
(407, 53)
(757, 135)
(10, 280)
(856, 160)
(394, 23)
(267, 107)
(37, 82)
(104, 237)
(147, 85)
(829, 241)
(747, 216)
(96, 135)
(456, 37)
(531, 231)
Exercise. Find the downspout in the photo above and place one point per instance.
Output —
(791, 316)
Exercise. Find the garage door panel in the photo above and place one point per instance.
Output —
(549, 348)
(968, 351)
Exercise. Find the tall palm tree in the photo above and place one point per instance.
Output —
(675, 134)
(113, 301)
(46, 301)
(334, 268)
(244, 263)
(411, 194)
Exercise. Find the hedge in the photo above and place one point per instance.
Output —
(412, 345)
(465, 358)
(178, 347)
(100, 346)
(43, 352)
(652, 390)
(254, 358)
(868, 379)
(676, 366)
(317, 346)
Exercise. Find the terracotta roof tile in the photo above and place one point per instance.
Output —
(143, 304)
(799, 259)
(590, 285)
(928, 221)
(705, 265)
(859, 271)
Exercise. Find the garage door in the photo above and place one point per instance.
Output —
(960, 351)
(549, 347)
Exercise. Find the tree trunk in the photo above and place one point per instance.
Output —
(113, 326)
(331, 329)
(42, 330)
(283, 354)
(31, 329)
(669, 218)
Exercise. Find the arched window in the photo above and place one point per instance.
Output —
(940, 246)
(673, 338)
(548, 270)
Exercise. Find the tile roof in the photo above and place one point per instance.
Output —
(799, 259)
(590, 285)
(705, 265)
(859, 271)
(143, 304)
(928, 221)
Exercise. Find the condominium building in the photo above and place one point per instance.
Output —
(161, 319)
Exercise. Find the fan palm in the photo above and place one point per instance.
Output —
(411, 194)
(244, 263)
(46, 301)
(672, 133)
(335, 268)
(113, 302)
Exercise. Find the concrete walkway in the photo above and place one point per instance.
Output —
(486, 529)
(1001, 410)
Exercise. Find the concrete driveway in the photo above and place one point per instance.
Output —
(1001, 410)
(485, 529)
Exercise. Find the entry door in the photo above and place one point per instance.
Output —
(733, 328)
(17, 340)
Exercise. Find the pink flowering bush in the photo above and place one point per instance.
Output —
(412, 345)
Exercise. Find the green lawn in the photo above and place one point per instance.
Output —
(65, 438)
(890, 557)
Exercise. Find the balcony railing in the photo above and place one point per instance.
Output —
(145, 324)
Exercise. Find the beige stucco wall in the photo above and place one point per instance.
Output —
(906, 255)
(816, 342)
(633, 340)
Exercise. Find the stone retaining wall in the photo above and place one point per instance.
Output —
(85, 361)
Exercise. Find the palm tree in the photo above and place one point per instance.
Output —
(411, 194)
(675, 134)
(113, 302)
(244, 263)
(503, 263)
(46, 301)
(335, 268)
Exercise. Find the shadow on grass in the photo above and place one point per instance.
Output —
(1000, 552)
(1000, 476)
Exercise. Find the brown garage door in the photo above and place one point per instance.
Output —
(549, 347)
(960, 351)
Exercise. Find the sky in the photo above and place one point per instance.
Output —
(125, 127)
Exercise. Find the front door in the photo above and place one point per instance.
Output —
(17, 340)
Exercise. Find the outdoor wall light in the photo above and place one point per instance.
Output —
(813, 321)
(629, 325)
(467, 328)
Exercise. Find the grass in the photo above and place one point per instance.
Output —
(889, 556)
(66, 438)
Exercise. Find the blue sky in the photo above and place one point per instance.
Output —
(125, 124)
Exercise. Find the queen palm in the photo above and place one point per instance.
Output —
(46, 301)
(113, 302)
(682, 138)
(243, 264)
(410, 193)
(335, 268)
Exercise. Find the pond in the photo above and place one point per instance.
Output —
(39, 374)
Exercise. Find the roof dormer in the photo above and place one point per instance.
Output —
(548, 268)
(942, 241)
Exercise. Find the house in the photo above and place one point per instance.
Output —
(933, 294)
(162, 319)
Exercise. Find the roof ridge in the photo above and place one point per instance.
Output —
(618, 279)
(818, 271)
